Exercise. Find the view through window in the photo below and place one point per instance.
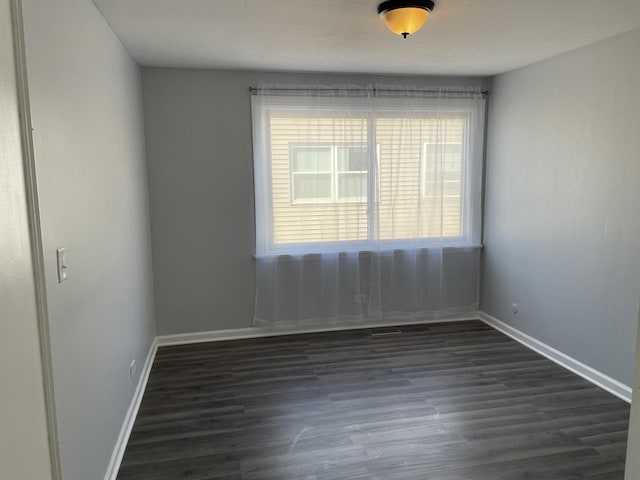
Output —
(350, 176)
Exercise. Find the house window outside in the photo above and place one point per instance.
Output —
(443, 169)
(443, 174)
(327, 174)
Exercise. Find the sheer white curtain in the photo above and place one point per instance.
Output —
(362, 193)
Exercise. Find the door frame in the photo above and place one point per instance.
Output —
(632, 467)
(35, 233)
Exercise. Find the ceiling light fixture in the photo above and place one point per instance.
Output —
(405, 17)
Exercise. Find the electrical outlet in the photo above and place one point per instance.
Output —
(132, 368)
(515, 308)
(360, 298)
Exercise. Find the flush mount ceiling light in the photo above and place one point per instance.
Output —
(405, 17)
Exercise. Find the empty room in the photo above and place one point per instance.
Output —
(319, 240)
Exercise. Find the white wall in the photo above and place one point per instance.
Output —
(200, 164)
(24, 446)
(89, 147)
(562, 193)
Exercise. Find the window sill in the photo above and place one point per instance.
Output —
(446, 249)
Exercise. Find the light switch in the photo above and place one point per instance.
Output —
(62, 265)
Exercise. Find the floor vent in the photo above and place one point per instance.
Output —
(378, 332)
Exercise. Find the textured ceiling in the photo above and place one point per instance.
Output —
(467, 37)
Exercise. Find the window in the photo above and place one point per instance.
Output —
(330, 173)
(336, 174)
(443, 167)
(443, 173)
(352, 173)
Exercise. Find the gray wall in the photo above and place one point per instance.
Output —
(24, 446)
(89, 146)
(562, 227)
(200, 170)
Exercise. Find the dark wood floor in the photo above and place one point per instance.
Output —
(440, 402)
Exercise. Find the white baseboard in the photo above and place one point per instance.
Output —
(594, 376)
(256, 332)
(132, 412)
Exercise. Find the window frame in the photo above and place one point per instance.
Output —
(369, 109)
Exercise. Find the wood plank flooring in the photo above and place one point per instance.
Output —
(447, 401)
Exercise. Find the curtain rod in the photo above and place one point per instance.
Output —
(253, 90)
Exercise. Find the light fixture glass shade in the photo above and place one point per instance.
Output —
(405, 21)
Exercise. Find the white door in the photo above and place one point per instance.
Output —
(633, 447)
(24, 444)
